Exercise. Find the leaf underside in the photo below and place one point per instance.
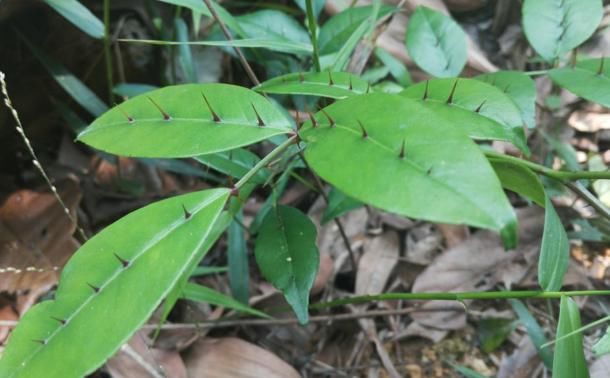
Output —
(186, 120)
(114, 282)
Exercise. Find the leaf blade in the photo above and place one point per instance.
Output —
(324, 84)
(569, 359)
(589, 79)
(554, 251)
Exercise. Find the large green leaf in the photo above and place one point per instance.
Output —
(518, 87)
(79, 15)
(436, 43)
(186, 120)
(554, 251)
(554, 27)
(589, 79)
(483, 111)
(339, 28)
(440, 175)
(287, 255)
(520, 180)
(534, 331)
(569, 359)
(323, 84)
(110, 287)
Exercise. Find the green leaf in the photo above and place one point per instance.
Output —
(323, 84)
(184, 55)
(237, 256)
(520, 180)
(492, 332)
(176, 121)
(554, 251)
(589, 79)
(199, 293)
(115, 281)
(602, 346)
(275, 45)
(201, 8)
(318, 5)
(207, 270)
(483, 111)
(569, 359)
(520, 88)
(287, 255)
(79, 15)
(396, 67)
(554, 27)
(436, 43)
(132, 89)
(338, 204)
(341, 58)
(443, 176)
(235, 163)
(338, 29)
(534, 331)
(466, 372)
(275, 26)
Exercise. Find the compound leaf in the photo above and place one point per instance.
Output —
(186, 120)
(114, 282)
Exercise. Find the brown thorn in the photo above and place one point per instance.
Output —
(301, 77)
(450, 99)
(124, 262)
(314, 123)
(261, 123)
(331, 121)
(426, 91)
(129, 118)
(573, 58)
(62, 321)
(187, 215)
(429, 171)
(364, 133)
(43, 342)
(94, 288)
(600, 70)
(401, 155)
(330, 79)
(351, 87)
(234, 192)
(478, 109)
(166, 116)
(368, 88)
(215, 116)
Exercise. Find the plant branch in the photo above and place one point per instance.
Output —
(228, 36)
(264, 161)
(313, 32)
(588, 197)
(107, 53)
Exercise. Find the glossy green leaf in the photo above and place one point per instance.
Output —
(483, 111)
(554, 27)
(338, 204)
(287, 255)
(589, 79)
(569, 358)
(132, 89)
(602, 346)
(534, 331)
(276, 26)
(554, 251)
(338, 29)
(79, 15)
(235, 163)
(397, 68)
(520, 88)
(176, 121)
(237, 256)
(323, 84)
(199, 293)
(436, 43)
(442, 177)
(115, 281)
(520, 180)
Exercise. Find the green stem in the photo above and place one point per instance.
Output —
(558, 175)
(311, 20)
(264, 161)
(458, 296)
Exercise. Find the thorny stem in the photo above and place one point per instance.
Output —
(311, 20)
(228, 36)
(107, 54)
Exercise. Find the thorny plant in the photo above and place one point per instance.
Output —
(410, 151)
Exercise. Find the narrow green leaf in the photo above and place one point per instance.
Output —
(318, 5)
(201, 8)
(235, 163)
(275, 26)
(207, 270)
(338, 204)
(115, 281)
(467, 372)
(287, 255)
(341, 58)
(323, 84)
(483, 111)
(569, 359)
(492, 332)
(554, 251)
(338, 29)
(436, 43)
(132, 89)
(440, 175)
(79, 15)
(199, 293)
(237, 255)
(185, 58)
(602, 346)
(554, 27)
(520, 88)
(534, 331)
(275, 45)
(186, 120)
(589, 79)
(520, 180)
(397, 68)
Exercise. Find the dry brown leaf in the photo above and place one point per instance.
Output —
(36, 234)
(325, 273)
(477, 264)
(377, 263)
(236, 358)
(7, 313)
